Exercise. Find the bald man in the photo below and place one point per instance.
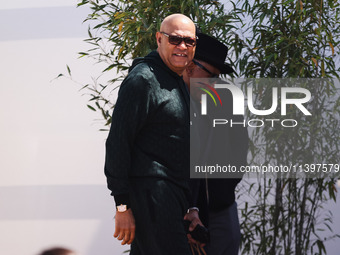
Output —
(147, 150)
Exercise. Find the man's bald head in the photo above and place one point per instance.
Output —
(176, 56)
(175, 21)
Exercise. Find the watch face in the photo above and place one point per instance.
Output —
(121, 208)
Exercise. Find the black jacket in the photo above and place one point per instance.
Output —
(231, 148)
(149, 135)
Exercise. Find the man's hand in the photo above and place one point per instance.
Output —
(125, 226)
(194, 218)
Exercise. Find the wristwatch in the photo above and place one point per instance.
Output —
(122, 208)
(193, 208)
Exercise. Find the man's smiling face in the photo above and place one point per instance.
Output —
(176, 57)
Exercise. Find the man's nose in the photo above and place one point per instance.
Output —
(182, 45)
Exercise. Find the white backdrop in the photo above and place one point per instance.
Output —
(52, 187)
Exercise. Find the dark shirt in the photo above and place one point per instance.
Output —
(149, 135)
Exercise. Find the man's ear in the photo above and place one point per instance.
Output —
(190, 68)
(158, 38)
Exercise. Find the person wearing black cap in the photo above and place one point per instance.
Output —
(213, 200)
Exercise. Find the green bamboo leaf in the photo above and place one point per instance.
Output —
(91, 108)
(68, 70)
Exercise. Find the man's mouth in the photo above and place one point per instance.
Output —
(180, 55)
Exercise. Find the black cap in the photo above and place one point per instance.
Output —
(210, 50)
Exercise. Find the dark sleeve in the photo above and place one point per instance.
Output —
(194, 185)
(128, 118)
